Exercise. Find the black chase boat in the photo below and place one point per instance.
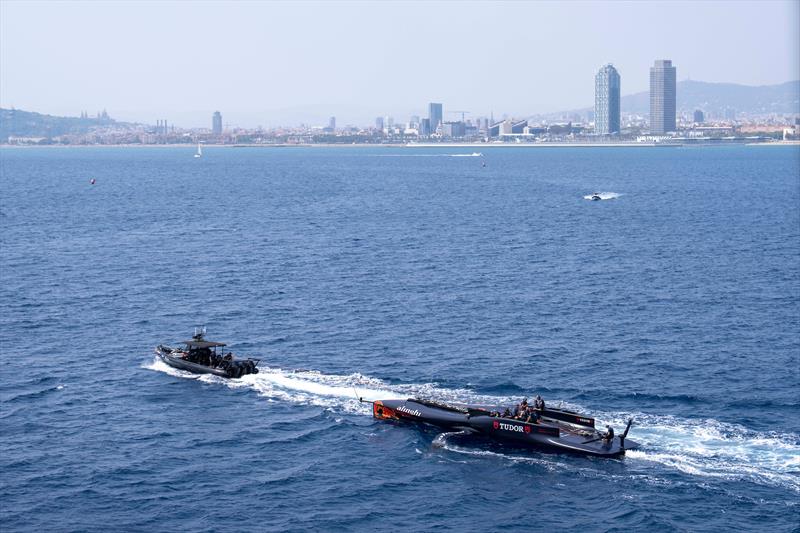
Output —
(548, 429)
(200, 356)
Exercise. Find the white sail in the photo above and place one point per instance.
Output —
(199, 151)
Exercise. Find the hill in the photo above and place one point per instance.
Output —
(714, 99)
(18, 123)
(717, 97)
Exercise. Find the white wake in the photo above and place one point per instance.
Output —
(603, 195)
(699, 447)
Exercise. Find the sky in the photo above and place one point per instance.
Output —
(283, 63)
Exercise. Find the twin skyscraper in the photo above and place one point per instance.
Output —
(663, 91)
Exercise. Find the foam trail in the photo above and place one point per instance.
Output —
(473, 154)
(604, 196)
(713, 449)
(699, 447)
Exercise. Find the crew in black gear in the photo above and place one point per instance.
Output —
(538, 403)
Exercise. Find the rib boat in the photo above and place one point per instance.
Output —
(548, 429)
(200, 356)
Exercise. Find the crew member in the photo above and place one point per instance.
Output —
(608, 436)
(532, 417)
(523, 409)
(519, 411)
(538, 403)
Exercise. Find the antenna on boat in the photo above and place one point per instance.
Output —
(360, 398)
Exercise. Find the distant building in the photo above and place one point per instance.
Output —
(216, 123)
(332, 123)
(425, 127)
(606, 100)
(730, 114)
(435, 115)
(519, 126)
(699, 118)
(454, 130)
(663, 91)
(379, 123)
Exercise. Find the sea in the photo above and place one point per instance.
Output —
(454, 274)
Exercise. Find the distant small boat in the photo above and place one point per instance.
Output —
(199, 151)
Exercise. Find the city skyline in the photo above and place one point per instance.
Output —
(328, 69)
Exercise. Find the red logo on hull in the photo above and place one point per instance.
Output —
(496, 424)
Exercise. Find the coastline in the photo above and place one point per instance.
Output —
(416, 145)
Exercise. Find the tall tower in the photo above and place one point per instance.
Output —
(435, 115)
(663, 91)
(606, 100)
(216, 124)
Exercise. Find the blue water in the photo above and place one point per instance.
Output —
(398, 272)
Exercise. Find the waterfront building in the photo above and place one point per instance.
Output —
(519, 126)
(379, 123)
(663, 92)
(454, 130)
(216, 124)
(425, 127)
(606, 100)
(332, 123)
(435, 115)
(698, 116)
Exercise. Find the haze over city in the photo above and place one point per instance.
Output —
(284, 63)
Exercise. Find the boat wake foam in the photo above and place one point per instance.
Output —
(473, 154)
(699, 447)
(604, 196)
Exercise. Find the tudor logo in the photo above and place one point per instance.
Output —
(508, 427)
(406, 410)
(527, 429)
(496, 424)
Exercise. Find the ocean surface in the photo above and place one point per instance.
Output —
(398, 272)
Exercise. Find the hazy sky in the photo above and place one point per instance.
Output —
(275, 63)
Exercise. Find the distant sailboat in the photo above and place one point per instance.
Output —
(199, 151)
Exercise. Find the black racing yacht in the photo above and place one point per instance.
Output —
(545, 428)
(200, 356)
